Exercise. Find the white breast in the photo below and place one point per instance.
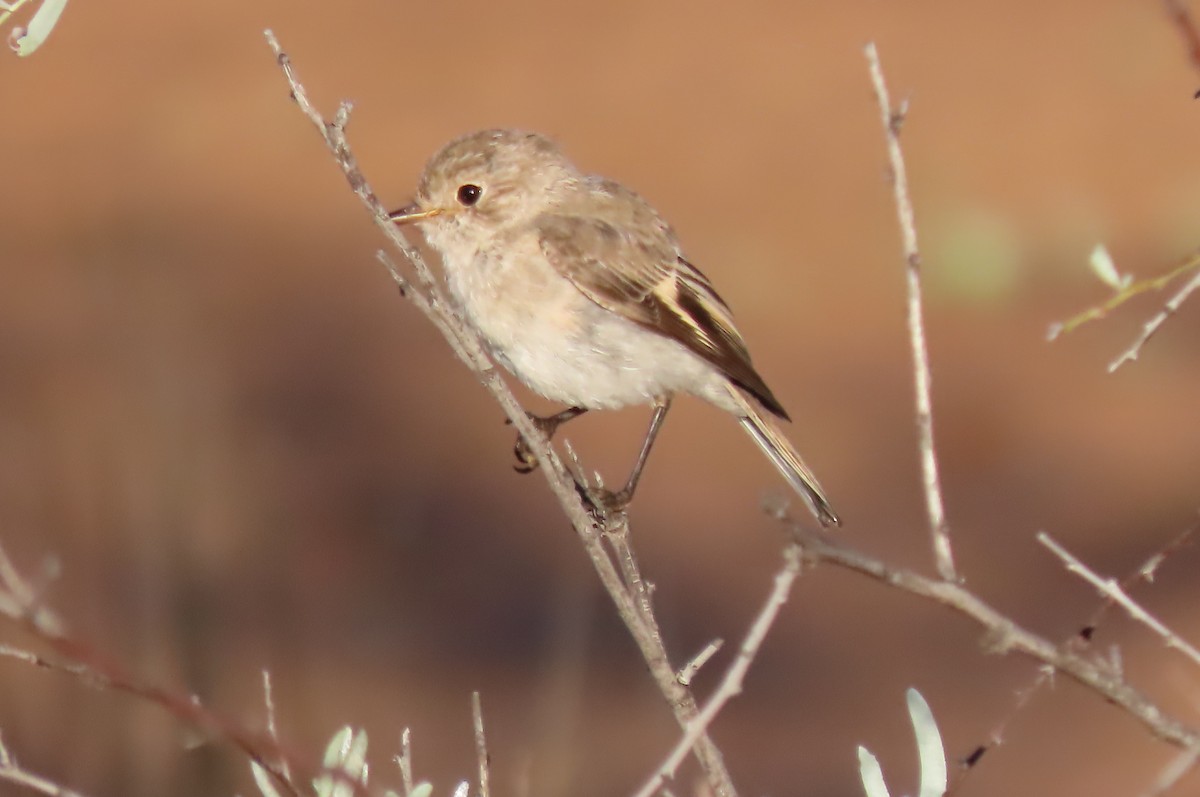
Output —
(563, 345)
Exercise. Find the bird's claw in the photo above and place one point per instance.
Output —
(527, 461)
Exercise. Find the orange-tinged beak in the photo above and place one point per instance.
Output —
(411, 213)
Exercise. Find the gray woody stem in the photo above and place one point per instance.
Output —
(892, 120)
(429, 298)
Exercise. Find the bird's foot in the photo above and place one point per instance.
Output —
(604, 502)
(526, 460)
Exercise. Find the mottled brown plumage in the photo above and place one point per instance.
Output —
(639, 276)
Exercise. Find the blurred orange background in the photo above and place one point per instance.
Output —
(246, 451)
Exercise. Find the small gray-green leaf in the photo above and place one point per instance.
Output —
(929, 746)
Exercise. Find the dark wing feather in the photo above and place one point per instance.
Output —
(631, 266)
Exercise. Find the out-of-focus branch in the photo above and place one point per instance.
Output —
(1182, 19)
(1125, 288)
(1173, 772)
(1078, 642)
(428, 296)
(22, 604)
(481, 751)
(893, 119)
(1111, 590)
(1152, 326)
(12, 772)
(1004, 635)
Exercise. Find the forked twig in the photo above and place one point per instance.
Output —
(1155, 323)
(1181, 18)
(731, 683)
(1003, 634)
(1077, 643)
(1112, 590)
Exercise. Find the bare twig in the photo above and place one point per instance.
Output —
(1077, 643)
(404, 761)
(1152, 326)
(481, 753)
(431, 301)
(892, 119)
(272, 730)
(1173, 772)
(688, 671)
(1124, 288)
(21, 600)
(616, 532)
(1182, 19)
(1003, 635)
(20, 603)
(731, 683)
(12, 772)
(1110, 589)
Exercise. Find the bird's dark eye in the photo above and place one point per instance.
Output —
(469, 194)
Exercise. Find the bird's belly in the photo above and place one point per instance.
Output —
(570, 349)
(600, 369)
(573, 351)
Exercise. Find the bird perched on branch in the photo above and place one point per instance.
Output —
(580, 288)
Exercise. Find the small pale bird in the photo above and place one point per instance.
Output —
(580, 288)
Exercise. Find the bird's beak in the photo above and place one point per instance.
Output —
(412, 213)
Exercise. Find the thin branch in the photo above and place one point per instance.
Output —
(21, 604)
(1113, 591)
(688, 671)
(272, 730)
(21, 600)
(404, 761)
(892, 120)
(481, 753)
(1124, 288)
(1003, 635)
(731, 683)
(1152, 326)
(1076, 643)
(1182, 19)
(13, 773)
(1173, 772)
(616, 532)
(432, 302)
(8, 9)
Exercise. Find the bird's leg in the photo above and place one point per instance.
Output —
(604, 500)
(526, 461)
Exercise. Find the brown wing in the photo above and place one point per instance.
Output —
(627, 262)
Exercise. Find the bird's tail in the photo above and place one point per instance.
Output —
(781, 453)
